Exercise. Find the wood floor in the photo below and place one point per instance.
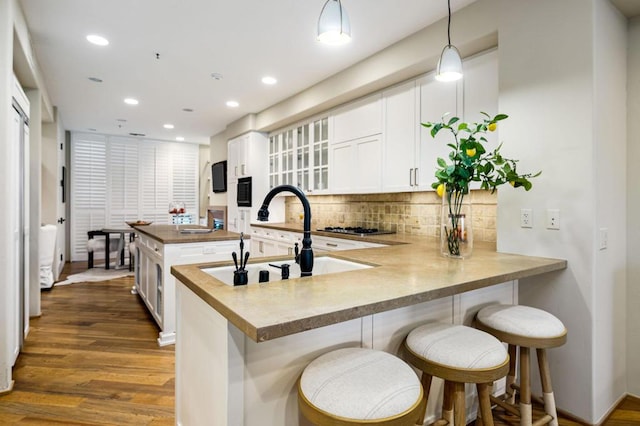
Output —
(92, 359)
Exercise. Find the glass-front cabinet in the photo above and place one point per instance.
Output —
(299, 156)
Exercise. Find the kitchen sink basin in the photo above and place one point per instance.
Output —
(321, 266)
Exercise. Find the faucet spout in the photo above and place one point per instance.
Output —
(306, 254)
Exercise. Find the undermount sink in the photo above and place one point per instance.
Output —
(321, 266)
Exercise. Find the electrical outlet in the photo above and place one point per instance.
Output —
(603, 239)
(553, 219)
(526, 218)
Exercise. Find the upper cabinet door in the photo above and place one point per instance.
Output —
(401, 127)
(358, 119)
(481, 90)
(437, 99)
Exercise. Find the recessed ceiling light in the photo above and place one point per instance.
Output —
(179, 138)
(269, 80)
(168, 126)
(187, 109)
(131, 101)
(232, 104)
(95, 79)
(122, 120)
(216, 75)
(97, 40)
(92, 129)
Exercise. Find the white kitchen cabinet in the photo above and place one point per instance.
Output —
(248, 156)
(154, 282)
(436, 99)
(358, 119)
(299, 156)
(270, 242)
(237, 161)
(336, 244)
(476, 92)
(356, 166)
(401, 129)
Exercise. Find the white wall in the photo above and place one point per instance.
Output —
(610, 130)
(6, 252)
(565, 114)
(633, 208)
(34, 194)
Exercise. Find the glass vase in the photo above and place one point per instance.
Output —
(456, 233)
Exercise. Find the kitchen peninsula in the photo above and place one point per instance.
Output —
(240, 350)
(160, 246)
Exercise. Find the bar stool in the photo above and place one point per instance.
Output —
(459, 355)
(525, 327)
(355, 386)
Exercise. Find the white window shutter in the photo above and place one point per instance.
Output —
(116, 179)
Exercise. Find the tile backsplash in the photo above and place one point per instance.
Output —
(405, 212)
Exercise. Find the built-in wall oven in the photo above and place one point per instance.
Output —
(244, 192)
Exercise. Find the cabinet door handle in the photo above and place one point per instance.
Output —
(244, 169)
(261, 249)
(410, 177)
(332, 244)
(235, 171)
(415, 176)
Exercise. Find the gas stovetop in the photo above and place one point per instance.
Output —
(355, 230)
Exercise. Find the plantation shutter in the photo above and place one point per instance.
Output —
(116, 179)
(88, 190)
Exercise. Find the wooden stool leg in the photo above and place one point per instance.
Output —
(525, 388)
(484, 404)
(511, 376)
(447, 402)
(426, 380)
(547, 391)
(459, 410)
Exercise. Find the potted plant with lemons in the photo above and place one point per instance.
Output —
(470, 160)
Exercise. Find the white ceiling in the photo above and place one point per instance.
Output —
(243, 40)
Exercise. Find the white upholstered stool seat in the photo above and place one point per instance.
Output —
(354, 386)
(525, 327)
(459, 355)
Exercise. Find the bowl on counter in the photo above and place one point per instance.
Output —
(139, 223)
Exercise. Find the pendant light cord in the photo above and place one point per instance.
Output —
(340, 8)
(449, 23)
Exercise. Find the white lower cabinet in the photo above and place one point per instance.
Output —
(269, 242)
(224, 378)
(154, 282)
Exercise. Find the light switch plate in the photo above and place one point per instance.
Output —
(553, 219)
(603, 238)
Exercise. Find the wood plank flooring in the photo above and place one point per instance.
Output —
(92, 359)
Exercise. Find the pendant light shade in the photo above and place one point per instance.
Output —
(450, 64)
(333, 24)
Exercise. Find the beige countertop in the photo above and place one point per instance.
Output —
(407, 272)
(168, 234)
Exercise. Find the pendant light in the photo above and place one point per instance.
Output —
(333, 24)
(449, 64)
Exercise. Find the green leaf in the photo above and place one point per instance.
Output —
(500, 117)
(429, 124)
(450, 170)
(462, 126)
(452, 121)
(441, 162)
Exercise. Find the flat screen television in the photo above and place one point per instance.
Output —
(219, 176)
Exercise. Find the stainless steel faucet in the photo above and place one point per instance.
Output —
(306, 254)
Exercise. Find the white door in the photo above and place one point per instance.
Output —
(61, 213)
